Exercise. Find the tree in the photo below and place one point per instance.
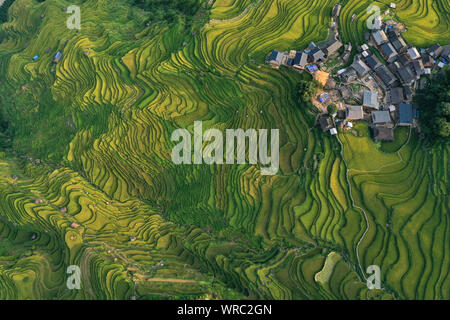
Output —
(332, 108)
(306, 90)
(434, 106)
(442, 127)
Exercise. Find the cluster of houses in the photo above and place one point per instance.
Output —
(386, 71)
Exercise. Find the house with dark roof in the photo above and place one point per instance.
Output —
(337, 10)
(396, 95)
(407, 92)
(381, 117)
(316, 54)
(405, 73)
(435, 50)
(403, 59)
(388, 52)
(383, 133)
(418, 68)
(349, 75)
(300, 60)
(370, 99)
(326, 123)
(397, 42)
(332, 47)
(360, 67)
(385, 75)
(427, 60)
(446, 53)
(405, 114)
(276, 59)
(379, 37)
(373, 62)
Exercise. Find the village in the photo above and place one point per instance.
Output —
(377, 86)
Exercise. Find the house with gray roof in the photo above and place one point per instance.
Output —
(370, 99)
(405, 114)
(360, 67)
(354, 113)
(379, 37)
(332, 47)
(381, 117)
(413, 53)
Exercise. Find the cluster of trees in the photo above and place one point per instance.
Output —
(306, 90)
(434, 107)
(332, 108)
(4, 10)
(169, 10)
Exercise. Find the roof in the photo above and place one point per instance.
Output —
(316, 54)
(332, 47)
(406, 74)
(360, 67)
(383, 133)
(325, 123)
(397, 41)
(381, 117)
(408, 92)
(403, 59)
(427, 60)
(333, 131)
(365, 47)
(385, 75)
(396, 95)
(435, 50)
(413, 53)
(312, 68)
(372, 61)
(337, 10)
(354, 112)
(301, 59)
(380, 37)
(418, 67)
(388, 51)
(350, 73)
(371, 99)
(273, 55)
(406, 113)
(446, 52)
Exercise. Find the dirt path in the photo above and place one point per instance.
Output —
(353, 201)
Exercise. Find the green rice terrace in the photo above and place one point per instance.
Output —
(86, 176)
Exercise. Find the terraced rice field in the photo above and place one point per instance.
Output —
(116, 205)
